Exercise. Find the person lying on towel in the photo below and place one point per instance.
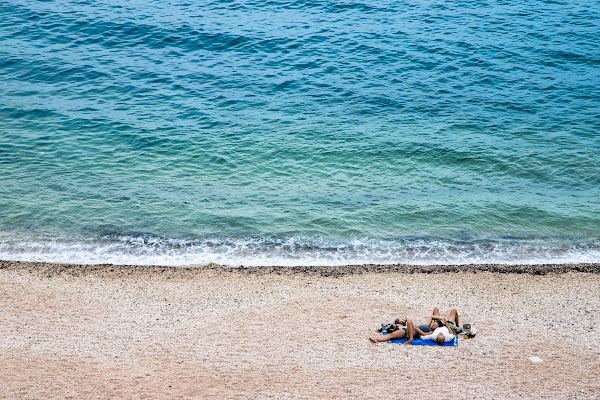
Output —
(403, 332)
(441, 335)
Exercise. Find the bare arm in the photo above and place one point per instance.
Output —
(420, 331)
(430, 335)
(445, 321)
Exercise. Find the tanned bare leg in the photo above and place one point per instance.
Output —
(399, 334)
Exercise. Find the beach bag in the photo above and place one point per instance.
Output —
(388, 328)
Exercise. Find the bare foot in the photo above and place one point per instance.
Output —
(372, 340)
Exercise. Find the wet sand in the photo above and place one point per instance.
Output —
(103, 331)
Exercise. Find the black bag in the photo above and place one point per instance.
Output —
(388, 328)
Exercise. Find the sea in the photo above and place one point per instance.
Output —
(282, 133)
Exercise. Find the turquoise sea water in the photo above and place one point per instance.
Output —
(300, 132)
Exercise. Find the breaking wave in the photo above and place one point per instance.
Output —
(294, 251)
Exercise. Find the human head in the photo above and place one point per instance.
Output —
(434, 325)
(440, 339)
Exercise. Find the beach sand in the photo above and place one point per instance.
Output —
(80, 331)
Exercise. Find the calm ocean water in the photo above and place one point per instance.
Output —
(300, 132)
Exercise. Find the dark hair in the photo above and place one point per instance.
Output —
(439, 340)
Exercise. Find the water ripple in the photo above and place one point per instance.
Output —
(293, 128)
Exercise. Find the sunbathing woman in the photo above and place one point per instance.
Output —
(435, 321)
(408, 332)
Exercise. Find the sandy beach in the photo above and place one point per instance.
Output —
(103, 331)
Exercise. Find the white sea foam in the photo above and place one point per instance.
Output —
(299, 251)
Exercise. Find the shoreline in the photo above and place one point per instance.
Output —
(51, 268)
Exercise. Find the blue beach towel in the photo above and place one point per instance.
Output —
(420, 342)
